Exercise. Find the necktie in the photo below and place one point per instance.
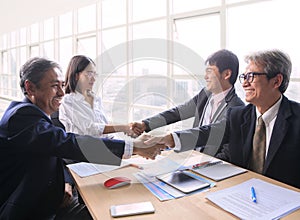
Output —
(208, 113)
(259, 147)
(213, 109)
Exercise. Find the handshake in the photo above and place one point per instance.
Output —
(147, 145)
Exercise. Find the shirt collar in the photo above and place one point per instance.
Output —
(271, 113)
(220, 96)
(77, 95)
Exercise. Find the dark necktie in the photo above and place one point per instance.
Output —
(259, 147)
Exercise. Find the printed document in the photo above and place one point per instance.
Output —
(84, 169)
(273, 201)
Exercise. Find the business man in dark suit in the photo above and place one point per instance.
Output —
(34, 183)
(270, 115)
(210, 104)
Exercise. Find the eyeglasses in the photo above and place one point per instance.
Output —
(249, 77)
(90, 74)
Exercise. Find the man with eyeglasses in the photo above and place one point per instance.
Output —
(209, 105)
(269, 113)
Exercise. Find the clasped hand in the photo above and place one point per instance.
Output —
(148, 146)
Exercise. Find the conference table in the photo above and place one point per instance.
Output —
(99, 199)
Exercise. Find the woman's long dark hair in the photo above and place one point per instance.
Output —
(76, 65)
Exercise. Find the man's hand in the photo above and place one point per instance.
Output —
(67, 196)
(138, 127)
(146, 150)
(127, 129)
(166, 140)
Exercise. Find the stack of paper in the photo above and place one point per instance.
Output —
(273, 202)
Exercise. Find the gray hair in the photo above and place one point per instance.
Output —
(274, 62)
(34, 70)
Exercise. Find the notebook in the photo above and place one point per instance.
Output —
(182, 181)
(218, 170)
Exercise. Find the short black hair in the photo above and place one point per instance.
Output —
(225, 59)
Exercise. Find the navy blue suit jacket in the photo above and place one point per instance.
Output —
(32, 176)
(282, 161)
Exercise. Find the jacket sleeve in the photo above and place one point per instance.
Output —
(199, 136)
(178, 113)
(40, 136)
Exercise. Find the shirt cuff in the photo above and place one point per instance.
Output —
(101, 128)
(128, 149)
(176, 142)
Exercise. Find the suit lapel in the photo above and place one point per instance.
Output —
(223, 106)
(247, 131)
(279, 131)
(201, 107)
(219, 111)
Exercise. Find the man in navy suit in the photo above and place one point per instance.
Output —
(34, 183)
(265, 80)
(220, 76)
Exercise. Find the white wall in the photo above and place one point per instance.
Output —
(15, 14)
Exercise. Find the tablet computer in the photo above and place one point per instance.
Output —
(219, 171)
(182, 181)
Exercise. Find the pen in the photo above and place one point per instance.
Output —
(253, 195)
(206, 164)
(200, 164)
(136, 166)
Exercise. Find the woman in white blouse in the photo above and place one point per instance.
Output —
(81, 112)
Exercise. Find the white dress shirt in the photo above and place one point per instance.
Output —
(79, 117)
(212, 105)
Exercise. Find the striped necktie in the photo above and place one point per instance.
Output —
(259, 147)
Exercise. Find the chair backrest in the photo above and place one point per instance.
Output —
(55, 120)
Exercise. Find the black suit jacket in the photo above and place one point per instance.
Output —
(32, 174)
(282, 161)
(195, 107)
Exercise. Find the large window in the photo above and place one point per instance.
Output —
(141, 46)
(266, 30)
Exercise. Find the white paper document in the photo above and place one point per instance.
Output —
(273, 201)
(84, 169)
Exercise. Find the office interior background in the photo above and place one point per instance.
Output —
(138, 88)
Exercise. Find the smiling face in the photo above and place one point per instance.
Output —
(47, 95)
(261, 92)
(216, 82)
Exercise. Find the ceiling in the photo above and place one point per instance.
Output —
(15, 14)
